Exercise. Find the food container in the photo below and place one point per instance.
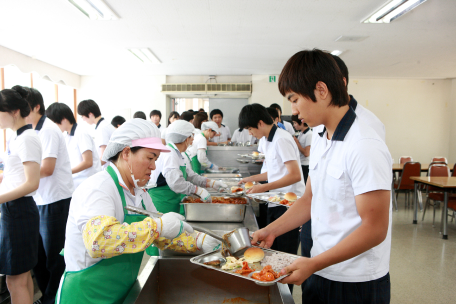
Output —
(239, 239)
(255, 266)
(223, 170)
(210, 212)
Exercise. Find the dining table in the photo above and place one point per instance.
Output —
(424, 167)
(446, 184)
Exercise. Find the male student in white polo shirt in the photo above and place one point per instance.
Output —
(347, 193)
(224, 136)
(283, 168)
(80, 145)
(91, 114)
(52, 198)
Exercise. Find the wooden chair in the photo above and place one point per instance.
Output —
(405, 184)
(434, 193)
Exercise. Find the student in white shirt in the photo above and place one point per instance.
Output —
(243, 136)
(80, 145)
(288, 126)
(303, 141)
(19, 220)
(91, 114)
(53, 197)
(155, 117)
(224, 135)
(173, 116)
(283, 167)
(347, 193)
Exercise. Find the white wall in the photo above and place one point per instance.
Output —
(267, 93)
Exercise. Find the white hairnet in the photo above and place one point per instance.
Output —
(122, 137)
(178, 131)
(210, 125)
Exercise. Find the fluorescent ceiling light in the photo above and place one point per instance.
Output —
(392, 10)
(94, 9)
(145, 55)
(336, 52)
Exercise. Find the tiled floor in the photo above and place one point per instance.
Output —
(423, 265)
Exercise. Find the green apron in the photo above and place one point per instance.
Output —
(165, 199)
(196, 165)
(108, 281)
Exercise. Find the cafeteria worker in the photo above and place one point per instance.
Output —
(198, 150)
(173, 178)
(104, 242)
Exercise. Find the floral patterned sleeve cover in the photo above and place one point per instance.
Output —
(105, 237)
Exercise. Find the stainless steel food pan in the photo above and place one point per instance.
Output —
(209, 212)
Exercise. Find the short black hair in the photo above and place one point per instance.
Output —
(251, 115)
(13, 99)
(273, 112)
(215, 112)
(88, 106)
(155, 112)
(186, 116)
(191, 110)
(173, 114)
(305, 69)
(276, 106)
(33, 97)
(296, 119)
(342, 66)
(140, 114)
(117, 121)
(201, 110)
(58, 111)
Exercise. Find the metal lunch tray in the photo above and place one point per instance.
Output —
(244, 160)
(209, 212)
(216, 255)
(263, 197)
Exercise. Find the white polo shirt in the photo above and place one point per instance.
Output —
(262, 145)
(103, 132)
(353, 162)
(78, 142)
(163, 133)
(199, 142)
(242, 136)
(59, 185)
(281, 148)
(97, 195)
(23, 146)
(305, 140)
(225, 133)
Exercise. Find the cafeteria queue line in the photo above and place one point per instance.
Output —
(338, 165)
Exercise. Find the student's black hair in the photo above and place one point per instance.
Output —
(201, 110)
(251, 115)
(33, 97)
(342, 66)
(273, 112)
(117, 121)
(305, 69)
(58, 111)
(155, 112)
(186, 116)
(276, 106)
(191, 110)
(88, 106)
(13, 99)
(298, 121)
(200, 117)
(173, 114)
(215, 112)
(140, 114)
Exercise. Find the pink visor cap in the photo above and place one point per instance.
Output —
(150, 142)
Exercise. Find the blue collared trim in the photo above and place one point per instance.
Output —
(22, 129)
(98, 123)
(73, 129)
(272, 133)
(353, 103)
(40, 123)
(343, 127)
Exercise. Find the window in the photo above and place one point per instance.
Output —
(185, 104)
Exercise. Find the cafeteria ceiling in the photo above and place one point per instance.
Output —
(232, 37)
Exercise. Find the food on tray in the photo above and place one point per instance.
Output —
(255, 154)
(278, 261)
(266, 274)
(212, 263)
(253, 254)
(286, 202)
(248, 185)
(290, 196)
(274, 199)
(218, 200)
(232, 263)
(245, 269)
(236, 189)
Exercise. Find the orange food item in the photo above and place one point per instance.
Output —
(245, 269)
(284, 202)
(237, 190)
(219, 200)
(266, 274)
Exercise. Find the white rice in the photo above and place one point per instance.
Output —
(278, 261)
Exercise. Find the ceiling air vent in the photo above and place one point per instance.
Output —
(351, 38)
(207, 87)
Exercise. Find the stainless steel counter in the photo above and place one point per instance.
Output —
(225, 156)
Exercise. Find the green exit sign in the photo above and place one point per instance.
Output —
(272, 78)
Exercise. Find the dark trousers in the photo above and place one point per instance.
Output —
(306, 245)
(320, 290)
(305, 172)
(51, 265)
(287, 242)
